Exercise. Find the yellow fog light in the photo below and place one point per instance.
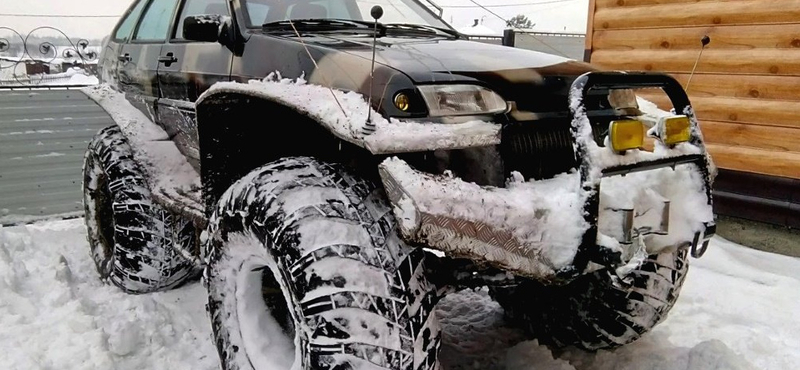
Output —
(675, 129)
(401, 102)
(626, 134)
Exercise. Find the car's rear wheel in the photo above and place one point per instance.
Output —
(131, 237)
(598, 310)
(304, 268)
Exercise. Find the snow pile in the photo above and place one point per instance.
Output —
(345, 113)
(9, 219)
(57, 314)
(476, 337)
(72, 77)
(736, 311)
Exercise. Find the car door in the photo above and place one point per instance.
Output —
(111, 57)
(139, 58)
(192, 68)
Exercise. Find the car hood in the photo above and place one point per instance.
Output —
(426, 60)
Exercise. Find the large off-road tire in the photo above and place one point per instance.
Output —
(304, 267)
(599, 310)
(130, 236)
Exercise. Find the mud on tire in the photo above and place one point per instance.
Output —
(598, 310)
(302, 259)
(130, 236)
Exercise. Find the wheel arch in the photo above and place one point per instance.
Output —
(238, 132)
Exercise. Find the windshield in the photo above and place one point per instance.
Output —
(258, 12)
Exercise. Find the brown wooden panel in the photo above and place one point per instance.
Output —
(782, 36)
(629, 3)
(763, 137)
(587, 50)
(753, 61)
(743, 86)
(737, 110)
(699, 14)
(765, 162)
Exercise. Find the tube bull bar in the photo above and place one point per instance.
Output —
(479, 237)
(588, 168)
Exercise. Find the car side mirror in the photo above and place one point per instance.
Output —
(205, 27)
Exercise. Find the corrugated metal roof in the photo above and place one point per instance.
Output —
(43, 136)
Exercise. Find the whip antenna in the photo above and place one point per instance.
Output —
(705, 40)
(376, 12)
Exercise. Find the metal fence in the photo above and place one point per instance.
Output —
(44, 132)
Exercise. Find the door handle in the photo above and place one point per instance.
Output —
(124, 58)
(167, 59)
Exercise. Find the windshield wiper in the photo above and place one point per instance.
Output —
(422, 28)
(322, 24)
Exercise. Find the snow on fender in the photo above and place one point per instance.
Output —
(344, 114)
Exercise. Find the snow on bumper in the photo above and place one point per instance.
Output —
(536, 228)
(529, 228)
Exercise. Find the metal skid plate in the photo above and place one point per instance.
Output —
(462, 238)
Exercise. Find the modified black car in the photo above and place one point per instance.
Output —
(333, 168)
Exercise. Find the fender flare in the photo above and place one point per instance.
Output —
(305, 99)
(173, 182)
(344, 114)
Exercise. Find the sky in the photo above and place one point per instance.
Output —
(548, 15)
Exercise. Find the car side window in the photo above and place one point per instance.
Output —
(156, 20)
(198, 7)
(126, 27)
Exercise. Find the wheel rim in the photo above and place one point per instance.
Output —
(265, 317)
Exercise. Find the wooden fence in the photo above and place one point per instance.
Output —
(746, 91)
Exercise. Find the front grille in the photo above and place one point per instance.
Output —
(538, 149)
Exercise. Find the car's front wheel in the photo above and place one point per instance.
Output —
(304, 270)
(598, 310)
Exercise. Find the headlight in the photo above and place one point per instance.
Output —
(673, 130)
(626, 134)
(459, 100)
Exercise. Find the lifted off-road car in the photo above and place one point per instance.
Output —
(332, 168)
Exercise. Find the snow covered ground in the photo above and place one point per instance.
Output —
(72, 77)
(737, 311)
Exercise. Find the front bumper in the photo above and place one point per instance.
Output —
(613, 209)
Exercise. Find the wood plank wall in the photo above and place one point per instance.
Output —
(746, 91)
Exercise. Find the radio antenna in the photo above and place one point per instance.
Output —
(705, 40)
(376, 12)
